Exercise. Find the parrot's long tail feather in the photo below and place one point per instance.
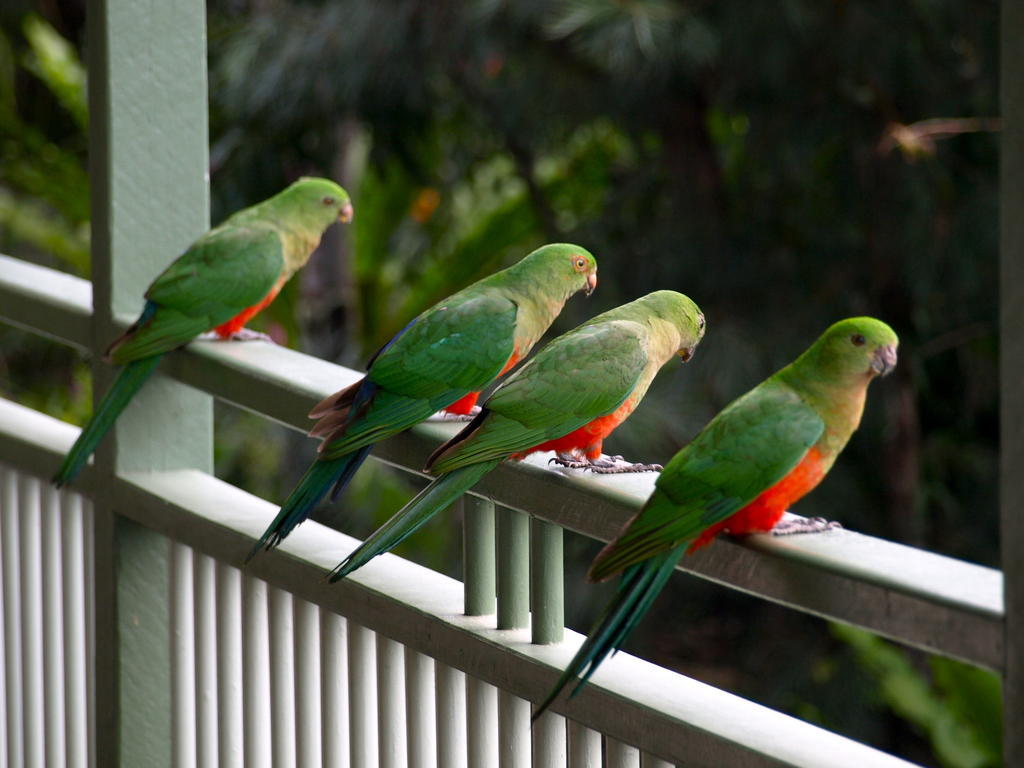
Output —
(355, 462)
(128, 382)
(313, 486)
(431, 500)
(638, 588)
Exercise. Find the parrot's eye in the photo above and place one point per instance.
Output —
(858, 340)
(700, 321)
(329, 200)
(579, 262)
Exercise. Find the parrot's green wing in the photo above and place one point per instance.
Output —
(452, 349)
(749, 447)
(575, 379)
(461, 344)
(226, 271)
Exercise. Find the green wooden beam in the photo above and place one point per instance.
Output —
(478, 555)
(1012, 373)
(148, 157)
(513, 564)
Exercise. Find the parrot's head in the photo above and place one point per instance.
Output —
(317, 202)
(679, 316)
(857, 347)
(561, 266)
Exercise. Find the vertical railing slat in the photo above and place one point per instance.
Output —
(256, 660)
(481, 723)
(584, 746)
(362, 702)
(282, 677)
(648, 760)
(450, 686)
(230, 702)
(547, 595)
(89, 525)
(549, 741)
(183, 659)
(478, 555)
(30, 502)
(620, 755)
(513, 588)
(513, 568)
(309, 746)
(514, 744)
(205, 605)
(76, 696)
(334, 687)
(391, 744)
(53, 630)
(420, 717)
(53, 650)
(9, 688)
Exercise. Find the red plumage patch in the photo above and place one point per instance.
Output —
(464, 405)
(237, 323)
(766, 510)
(587, 439)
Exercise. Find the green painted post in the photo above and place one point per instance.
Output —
(148, 158)
(1011, 302)
(547, 594)
(478, 555)
(513, 534)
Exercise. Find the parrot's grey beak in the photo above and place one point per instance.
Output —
(686, 353)
(591, 282)
(884, 359)
(346, 213)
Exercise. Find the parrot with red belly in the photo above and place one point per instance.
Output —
(440, 361)
(568, 398)
(759, 455)
(224, 278)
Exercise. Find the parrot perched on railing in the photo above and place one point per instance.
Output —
(222, 280)
(568, 398)
(439, 361)
(762, 453)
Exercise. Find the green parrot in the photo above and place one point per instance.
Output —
(439, 361)
(568, 398)
(222, 280)
(762, 453)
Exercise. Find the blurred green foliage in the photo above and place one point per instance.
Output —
(44, 189)
(959, 708)
(785, 164)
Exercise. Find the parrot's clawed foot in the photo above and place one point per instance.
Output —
(615, 465)
(604, 465)
(246, 334)
(795, 525)
(443, 416)
(569, 461)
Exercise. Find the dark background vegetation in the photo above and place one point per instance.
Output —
(785, 164)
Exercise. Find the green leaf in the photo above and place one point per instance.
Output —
(975, 696)
(54, 61)
(958, 723)
(33, 224)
